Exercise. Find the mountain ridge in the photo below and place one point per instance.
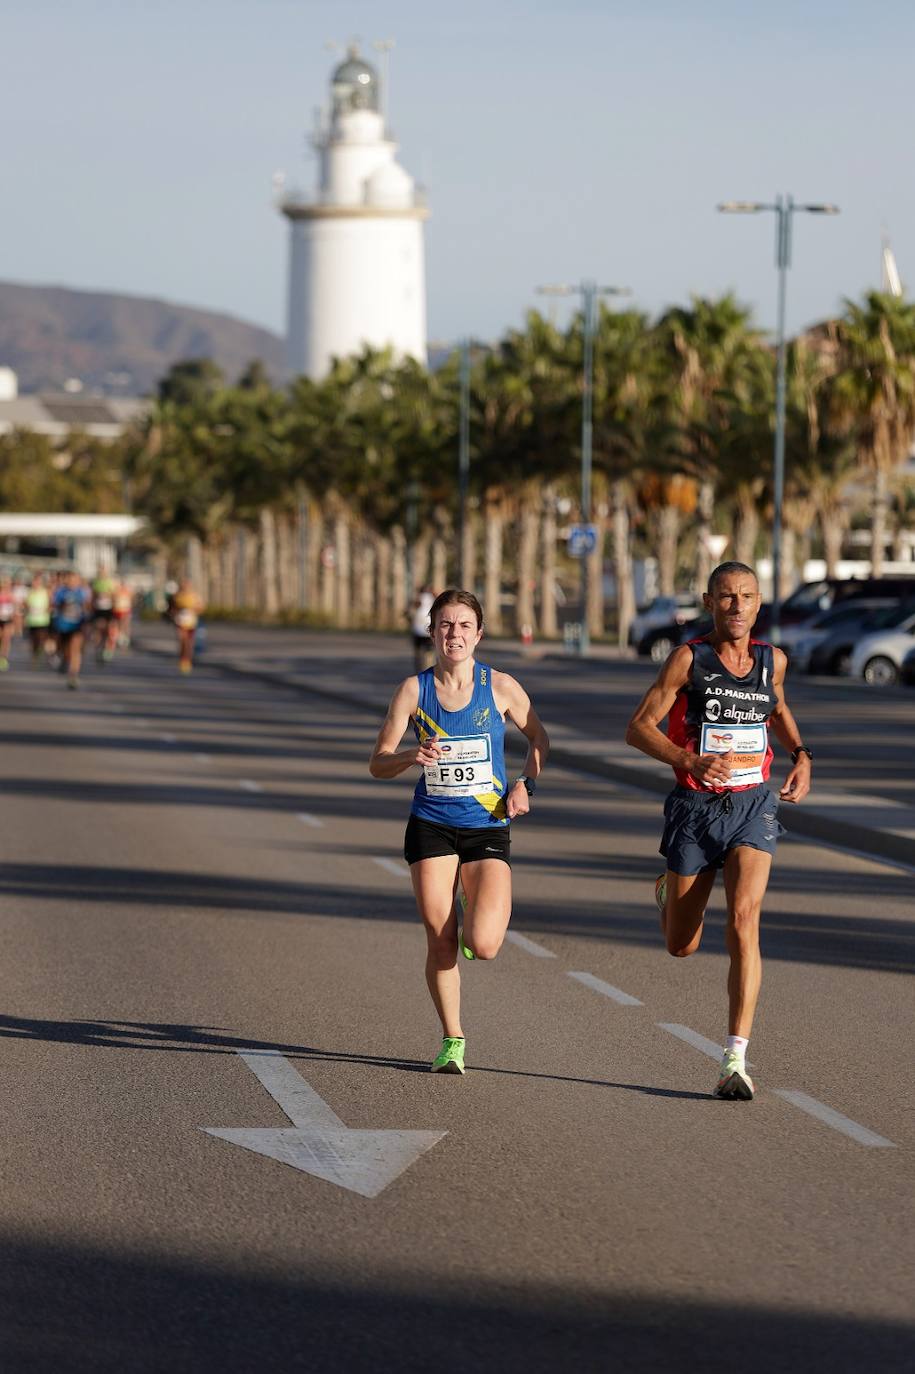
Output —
(117, 343)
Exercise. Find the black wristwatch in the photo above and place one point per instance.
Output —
(530, 786)
(801, 749)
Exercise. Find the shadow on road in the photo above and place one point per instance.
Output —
(65, 1306)
(871, 942)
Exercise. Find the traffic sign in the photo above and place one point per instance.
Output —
(582, 540)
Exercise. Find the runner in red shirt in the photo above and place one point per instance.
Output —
(722, 694)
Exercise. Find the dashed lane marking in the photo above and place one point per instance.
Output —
(607, 989)
(247, 785)
(308, 819)
(698, 1042)
(529, 946)
(395, 866)
(168, 739)
(830, 1117)
(201, 758)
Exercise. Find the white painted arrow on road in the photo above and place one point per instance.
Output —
(318, 1142)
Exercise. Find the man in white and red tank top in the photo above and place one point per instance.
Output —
(722, 695)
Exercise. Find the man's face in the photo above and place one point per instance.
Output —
(734, 603)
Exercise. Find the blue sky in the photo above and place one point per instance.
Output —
(557, 140)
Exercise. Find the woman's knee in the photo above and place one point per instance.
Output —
(484, 946)
(442, 946)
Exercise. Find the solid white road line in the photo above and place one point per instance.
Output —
(607, 990)
(247, 785)
(167, 739)
(854, 853)
(201, 758)
(835, 1119)
(395, 866)
(308, 819)
(693, 1038)
(528, 945)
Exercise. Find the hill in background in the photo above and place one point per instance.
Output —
(119, 345)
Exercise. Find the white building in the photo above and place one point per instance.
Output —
(356, 260)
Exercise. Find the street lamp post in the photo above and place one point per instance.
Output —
(784, 207)
(589, 292)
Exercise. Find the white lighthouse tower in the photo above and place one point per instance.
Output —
(356, 263)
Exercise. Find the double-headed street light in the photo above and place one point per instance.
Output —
(784, 207)
(589, 292)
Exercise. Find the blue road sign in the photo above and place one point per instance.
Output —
(582, 540)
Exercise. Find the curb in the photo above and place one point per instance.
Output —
(821, 829)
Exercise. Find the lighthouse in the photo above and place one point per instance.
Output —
(356, 260)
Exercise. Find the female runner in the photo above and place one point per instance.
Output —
(457, 841)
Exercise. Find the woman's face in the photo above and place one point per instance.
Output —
(455, 633)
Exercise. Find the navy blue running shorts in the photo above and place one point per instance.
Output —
(701, 827)
(428, 840)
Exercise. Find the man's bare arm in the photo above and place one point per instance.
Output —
(784, 727)
(644, 730)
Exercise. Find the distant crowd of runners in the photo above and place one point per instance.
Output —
(57, 616)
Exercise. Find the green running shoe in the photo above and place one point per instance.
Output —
(461, 900)
(465, 950)
(660, 892)
(450, 1058)
(734, 1083)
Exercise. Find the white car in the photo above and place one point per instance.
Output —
(878, 656)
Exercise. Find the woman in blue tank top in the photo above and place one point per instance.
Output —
(457, 841)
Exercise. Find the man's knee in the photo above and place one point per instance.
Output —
(743, 921)
(681, 949)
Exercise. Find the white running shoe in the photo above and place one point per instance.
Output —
(734, 1083)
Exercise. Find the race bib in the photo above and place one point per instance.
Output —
(749, 743)
(464, 769)
(186, 620)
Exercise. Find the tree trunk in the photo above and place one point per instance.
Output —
(706, 507)
(548, 624)
(525, 619)
(343, 569)
(241, 568)
(419, 561)
(399, 600)
(622, 564)
(669, 520)
(746, 530)
(229, 580)
(879, 521)
(383, 571)
(440, 542)
(833, 530)
(314, 555)
(301, 551)
(213, 568)
(328, 581)
(365, 563)
(267, 528)
(194, 564)
(468, 568)
(285, 562)
(492, 576)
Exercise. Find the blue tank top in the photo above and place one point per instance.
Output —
(467, 787)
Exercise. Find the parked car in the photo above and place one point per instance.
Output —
(662, 611)
(810, 599)
(825, 645)
(907, 669)
(877, 658)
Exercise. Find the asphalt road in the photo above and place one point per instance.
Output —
(192, 871)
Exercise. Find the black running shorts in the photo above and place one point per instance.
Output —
(428, 840)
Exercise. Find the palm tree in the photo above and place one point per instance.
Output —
(711, 353)
(875, 392)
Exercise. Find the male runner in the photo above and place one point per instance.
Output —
(721, 694)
